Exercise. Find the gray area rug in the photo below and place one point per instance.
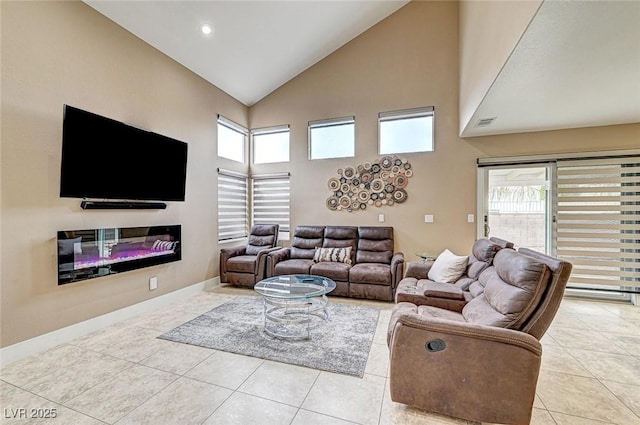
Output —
(339, 345)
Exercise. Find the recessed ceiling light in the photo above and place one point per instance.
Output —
(206, 29)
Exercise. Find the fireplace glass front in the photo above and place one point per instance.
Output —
(86, 254)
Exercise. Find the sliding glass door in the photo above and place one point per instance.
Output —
(584, 210)
(598, 228)
(516, 205)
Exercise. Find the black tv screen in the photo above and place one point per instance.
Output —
(107, 159)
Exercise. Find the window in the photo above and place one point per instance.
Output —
(598, 221)
(270, 144)
(271, 201)
(408, 130)
(233, 220)
(232, 138)
(334, 138)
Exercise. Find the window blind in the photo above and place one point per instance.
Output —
(271, 198)
(598, 220)
(233, 216)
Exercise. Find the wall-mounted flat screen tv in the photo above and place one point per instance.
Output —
(103, 158)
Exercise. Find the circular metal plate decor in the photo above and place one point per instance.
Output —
(386, 162)
(400, 196)
(400, 181)
(377, 183)
(332, 202)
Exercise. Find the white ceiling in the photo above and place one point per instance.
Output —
(577, 65)
(257, 46)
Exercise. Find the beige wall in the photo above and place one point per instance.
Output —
(64, 52)
(408, 60)
(489, 31)
(79, 57)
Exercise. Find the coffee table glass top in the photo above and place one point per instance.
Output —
(295, 286)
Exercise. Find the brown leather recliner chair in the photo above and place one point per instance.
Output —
(480, 364)
(245, 265)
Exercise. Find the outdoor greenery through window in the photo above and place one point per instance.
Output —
(408, 130)
(233, 211)
(333, 138)
(270, 144)
(232, 139)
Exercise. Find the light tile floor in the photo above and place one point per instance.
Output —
(123, 374)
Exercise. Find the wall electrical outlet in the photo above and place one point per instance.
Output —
(428, 218)
(381, 218)
(470, 218)
(153, 283)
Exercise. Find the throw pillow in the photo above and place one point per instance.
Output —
(336, 255)
(448, 267)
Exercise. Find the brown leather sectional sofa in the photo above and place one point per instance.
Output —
(477, 358)
(375, 268)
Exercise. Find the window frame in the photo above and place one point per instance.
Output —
(265, 131)
(233, 126)
(332, 122)
(403, 114)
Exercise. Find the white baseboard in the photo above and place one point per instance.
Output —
(40, 343)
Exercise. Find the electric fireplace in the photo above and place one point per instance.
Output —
(87, 254)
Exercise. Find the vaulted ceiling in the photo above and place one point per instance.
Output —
(576, 65)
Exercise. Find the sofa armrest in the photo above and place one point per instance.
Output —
(261, 262)
(274, 257)
(225, 254)
(441, 290)
(451, 367)
(397, 268)
(418, 270)
(234, 251)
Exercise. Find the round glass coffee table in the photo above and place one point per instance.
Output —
(294, 304)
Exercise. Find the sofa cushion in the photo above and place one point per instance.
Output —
(341, 237)
(294, 266)
(335, 271)
(242, 264)
(448, 267)
(375, 244)
(513, 287)
(305, 241)
(484, 250)
(262, 236)
(371, 273)
(441, 313)
(336, 255)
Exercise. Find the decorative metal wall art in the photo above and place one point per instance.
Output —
(378, 183)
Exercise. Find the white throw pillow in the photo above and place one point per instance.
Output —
(448, 267)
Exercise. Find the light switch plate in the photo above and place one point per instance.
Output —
(381, 218)
(470, 218)
(428, 218)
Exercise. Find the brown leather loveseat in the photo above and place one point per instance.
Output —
(361, 260)
(417, 288)
(480, 363)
